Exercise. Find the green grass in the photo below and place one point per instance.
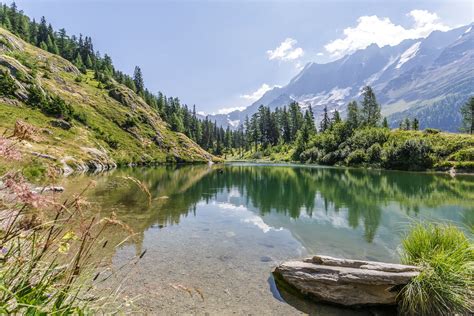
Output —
(445, 285)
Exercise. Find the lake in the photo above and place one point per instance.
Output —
(213, 234)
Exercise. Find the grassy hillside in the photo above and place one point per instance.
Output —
(104, 125)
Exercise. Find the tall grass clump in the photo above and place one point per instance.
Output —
(50, 251)
(445, 285)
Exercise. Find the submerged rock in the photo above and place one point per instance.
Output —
(346, 282)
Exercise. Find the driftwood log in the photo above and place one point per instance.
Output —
(346, 282)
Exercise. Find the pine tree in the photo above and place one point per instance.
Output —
(416, 124)
(138, 79)
(6, 23)
(78, 61)
(43, 46)
(42, 31)
(336, 118)
(285, 125)
(88, 62)
(385, 123)
(325, 122)
(309, 120)
(370, 108)
(296, 119)
(352, 115)
(254, 130)
(467, 112)
(407, 124)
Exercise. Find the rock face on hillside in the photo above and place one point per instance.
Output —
(346, 282)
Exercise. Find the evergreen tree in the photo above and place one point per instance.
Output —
(467, 112)
(370, 108)
(385, 123)
(325, 122)
(336, 118)
(352, 115)
(407, 124)
(416, 124)
(285, 125)
(309, 121)
(138, 79)
(296, 120)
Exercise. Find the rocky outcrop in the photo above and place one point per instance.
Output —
(61, 124)
(346, 282)
(126, 97)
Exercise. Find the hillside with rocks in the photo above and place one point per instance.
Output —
(54, 111)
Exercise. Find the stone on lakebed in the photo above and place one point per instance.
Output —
(346, 282)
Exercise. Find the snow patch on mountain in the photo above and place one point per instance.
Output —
(233, 123)
(408, 54)
(335, 96)
(377, 75)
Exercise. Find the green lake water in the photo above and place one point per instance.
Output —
(219, 230)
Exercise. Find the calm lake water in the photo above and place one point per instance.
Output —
(214, 233)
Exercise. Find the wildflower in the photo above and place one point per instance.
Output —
(8, 150)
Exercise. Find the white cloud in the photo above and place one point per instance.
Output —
(320, 54)
(286, 51)
(254, 96)
(381, 31)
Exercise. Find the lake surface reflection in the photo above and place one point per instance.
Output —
(221, 229)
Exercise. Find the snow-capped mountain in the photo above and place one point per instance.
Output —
(429, 78)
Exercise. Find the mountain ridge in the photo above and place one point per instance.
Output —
(414, 74)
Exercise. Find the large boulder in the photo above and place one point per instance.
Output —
(346, 282)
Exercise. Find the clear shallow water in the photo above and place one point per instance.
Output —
(218, 231)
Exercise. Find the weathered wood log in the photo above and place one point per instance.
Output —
(347, 282)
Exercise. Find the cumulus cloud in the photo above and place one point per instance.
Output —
(254, 96)
(286, 51)
(381, 31)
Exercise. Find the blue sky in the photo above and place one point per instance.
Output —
(224, 54)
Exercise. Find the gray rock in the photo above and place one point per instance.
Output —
(45, 156)
(347, 282)
(61, 124)
(48, 189)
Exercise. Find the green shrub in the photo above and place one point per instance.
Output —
(356, 157)
(412, 154)
(7, 84)
(466, 154)
(58, 107)
(36, 97)
(374, 153)
(364, 138)
(310, 155)
(432, 131)
(445, 285)
(80, 117)
(256, 155)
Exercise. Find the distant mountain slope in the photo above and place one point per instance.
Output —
(107, 125)
(408, 79)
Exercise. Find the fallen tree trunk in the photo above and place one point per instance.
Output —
(347, 282)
